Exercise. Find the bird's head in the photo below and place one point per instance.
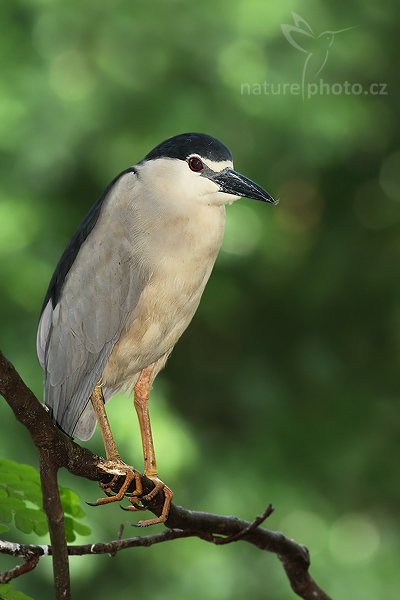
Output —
(195, 167)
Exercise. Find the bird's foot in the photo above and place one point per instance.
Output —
(159, 486)
(118, 469)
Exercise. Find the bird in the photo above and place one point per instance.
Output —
(126, 288)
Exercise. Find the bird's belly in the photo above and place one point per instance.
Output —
(164, 311)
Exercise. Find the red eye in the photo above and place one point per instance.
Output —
(195, 164)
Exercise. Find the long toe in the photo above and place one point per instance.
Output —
(159, 486)
(118, 469)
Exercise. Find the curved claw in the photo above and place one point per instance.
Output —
(133, 507)
(134, 494)
(92, 503)
(136, 506)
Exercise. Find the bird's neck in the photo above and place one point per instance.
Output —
(190, 237)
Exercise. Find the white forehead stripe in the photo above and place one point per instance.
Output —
(217, 165)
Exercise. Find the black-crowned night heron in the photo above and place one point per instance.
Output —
(128, 285)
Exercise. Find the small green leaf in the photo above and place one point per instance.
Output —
(21, 470)
(29, 489)
(40, 527)
(7, 506)
(81, 529)
(75, 511)
(69, 499)
(23, 521)
(32, 492)
(6, 514)
(13, 503)
(69, 529)
(21, 499)
(9, 478)
(8, 593)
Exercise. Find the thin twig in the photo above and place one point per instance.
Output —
(248, 529)
(30, 562)
(119, 538)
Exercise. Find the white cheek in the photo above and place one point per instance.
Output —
(170, 184)
(206, 186)
(228, 198)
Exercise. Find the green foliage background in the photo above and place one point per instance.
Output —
(285, 388)
(21, 503)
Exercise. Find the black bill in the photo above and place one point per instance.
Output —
(234, 183)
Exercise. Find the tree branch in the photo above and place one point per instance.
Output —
(55, 519)
(31, 559)
(80, 461)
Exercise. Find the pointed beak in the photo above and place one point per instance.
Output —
(231, 182)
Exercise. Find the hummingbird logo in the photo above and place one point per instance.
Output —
(316, 47)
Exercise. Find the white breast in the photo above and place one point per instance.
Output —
(180, 249)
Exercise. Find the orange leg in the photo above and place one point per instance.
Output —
(142, 393)
(113, 465)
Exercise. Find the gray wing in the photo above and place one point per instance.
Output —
(99, 292)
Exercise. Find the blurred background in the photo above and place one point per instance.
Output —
(285, 387)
